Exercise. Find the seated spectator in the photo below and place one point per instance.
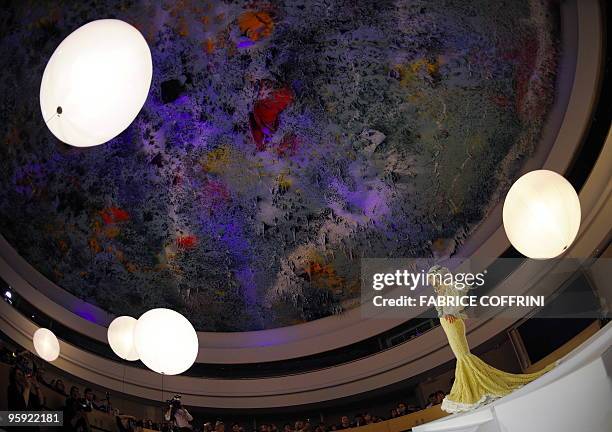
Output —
(401, 409)
(359, 421)
(90, 400)
(219, 426)
(207, 427)
(431, 400)
(39, 373)
(321, 427)
(435, 398)
(393, 413)
(345, 423)
(288, 428)
(126, 423)
(60, 387)
(367, 418)
(299, 425)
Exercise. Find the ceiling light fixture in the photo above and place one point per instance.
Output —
(166, 341)
(541, 214)
(96, 82)
(46, 344)
(120, 337)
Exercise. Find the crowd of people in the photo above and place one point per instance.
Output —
(27, 380)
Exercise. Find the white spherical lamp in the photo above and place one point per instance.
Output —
(541, 214)
(46, 344)
(166, 341)
(120, 337)
(96, 82)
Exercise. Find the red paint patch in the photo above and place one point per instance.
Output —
(113, 215)
(187, 242)
(264, 118)
(525, 56)
(288, 145)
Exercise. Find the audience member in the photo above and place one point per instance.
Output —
(60, 387)
(75, 419)
(89, 403)
(180, 416)
(23, 392)
(345, 423)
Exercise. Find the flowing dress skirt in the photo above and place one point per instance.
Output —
(476, 382)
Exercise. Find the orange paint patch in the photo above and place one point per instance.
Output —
(256, 25)
(324, 276)
(94, 246)
(209, 45)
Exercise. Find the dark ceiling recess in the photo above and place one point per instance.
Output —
(598, 130)
(171, 90)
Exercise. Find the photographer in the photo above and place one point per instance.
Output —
(75, 417)
(23, 394)
(178, 415)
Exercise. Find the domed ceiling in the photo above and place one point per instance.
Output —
(280, 143)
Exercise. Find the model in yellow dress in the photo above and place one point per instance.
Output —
(476, 383)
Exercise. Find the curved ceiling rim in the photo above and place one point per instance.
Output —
(377, 371)
(297, 341)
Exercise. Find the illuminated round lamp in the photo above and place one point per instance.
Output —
(166, 341)
(120, 337)
(46, 344)
(96, 82)
(541, 214)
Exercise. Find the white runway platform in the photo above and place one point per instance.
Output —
(576, 396)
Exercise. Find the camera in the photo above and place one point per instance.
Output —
(175, 402)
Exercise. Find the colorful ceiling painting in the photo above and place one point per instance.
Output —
(281, 142)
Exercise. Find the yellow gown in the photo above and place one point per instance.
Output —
(476, 382)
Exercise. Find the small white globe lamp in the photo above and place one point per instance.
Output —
(166, 341)
(541, 214)
(120, 337)
(46, 344)
(96, 82)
